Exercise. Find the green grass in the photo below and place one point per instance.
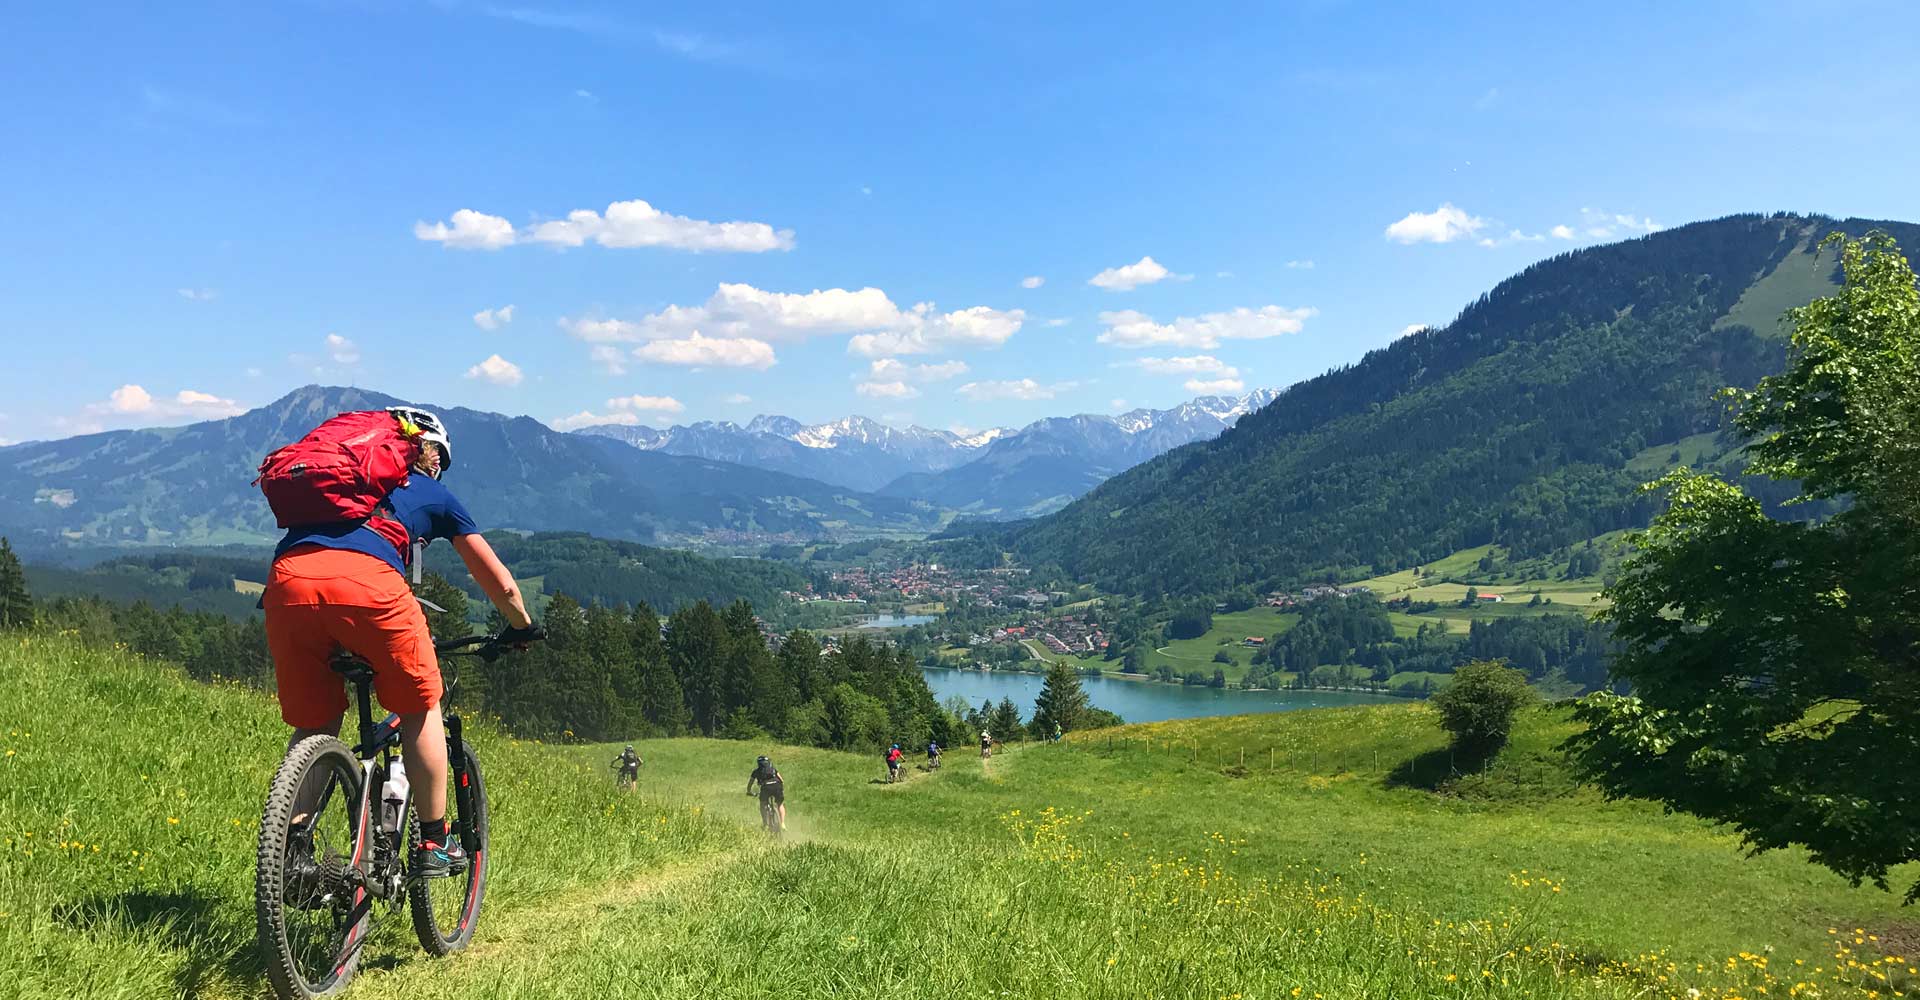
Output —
(1799, 279)
(1226, 635)
(1579, 596)
(1253, 855)
(1696, 451)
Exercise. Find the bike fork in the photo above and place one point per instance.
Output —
(462, 787)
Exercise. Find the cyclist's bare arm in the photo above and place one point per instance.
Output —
(493, 578)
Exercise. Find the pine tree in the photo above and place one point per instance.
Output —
(696, 642)
(451, 623)
(16, 605)
(1006, 724)
(661, 701)
(1062, 701)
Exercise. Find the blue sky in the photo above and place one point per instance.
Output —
(820, 210)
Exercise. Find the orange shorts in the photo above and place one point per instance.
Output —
(319, 600)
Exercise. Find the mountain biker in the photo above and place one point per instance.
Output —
(1057, 734)
(893, 763)
(986, 743)
(933, 754)
(772, 786)
(343, 585)
(629, 764)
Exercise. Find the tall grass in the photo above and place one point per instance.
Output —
(129, 804)
(128, 797)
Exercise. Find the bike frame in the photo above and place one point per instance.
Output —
(375, 874)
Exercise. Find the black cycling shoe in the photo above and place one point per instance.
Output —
(435, 860)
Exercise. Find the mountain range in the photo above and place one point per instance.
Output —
(992, 473)
(191, 485)
(1529, 422)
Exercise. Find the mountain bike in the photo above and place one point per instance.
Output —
(627, 779)
(336, 836)
(769, 816)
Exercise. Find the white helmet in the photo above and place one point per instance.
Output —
(425, 425)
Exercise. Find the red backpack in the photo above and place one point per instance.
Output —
(341, 472)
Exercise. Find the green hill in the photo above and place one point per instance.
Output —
(1165, 860)
(1518, 424)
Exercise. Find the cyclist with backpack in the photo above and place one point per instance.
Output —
(773, 794)
(893, 763)
(933, 755)
(360, 497)
(986, 745)
(629, 764)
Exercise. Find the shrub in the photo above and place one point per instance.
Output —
(1479, 706)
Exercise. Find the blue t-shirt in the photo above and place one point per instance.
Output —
(427, 508)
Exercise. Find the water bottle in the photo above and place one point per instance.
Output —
(393, 797)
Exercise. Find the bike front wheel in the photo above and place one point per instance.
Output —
(446, 909)
(312, 920)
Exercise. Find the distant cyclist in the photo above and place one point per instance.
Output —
(1057, 734)
(893, 763)
(933, 754)
(773, 794)
(986, 744)
(629, 764)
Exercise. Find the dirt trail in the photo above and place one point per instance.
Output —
(516, 934)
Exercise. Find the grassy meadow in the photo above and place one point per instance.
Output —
(1331, 853)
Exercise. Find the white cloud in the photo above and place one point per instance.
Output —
(1127, 277)
(632, 223)
(1058, 322)
(622, 410)
(1197, 364)
(585, 95)
(1606, 225)
(1300, 265)
(471, 230)
(1116, 404)
(886, 390)
(638, 224)
(883, 329)
(342, 350)
(1032, 281)
(699, 351)
(129, 399)
(1442, 225)
(1223, 274)
(648, 404)
(608, 359)
(1516, 236)
(199, 294)
(587, 418)
(1214, 387)
(1487, 100)
(923, 331)
(254, 373)
(1024, 388)
(1128, 328)
(1561, 233)
(1412, 328)
(887, 369)
(133, 404)
(493, 319)
(736, 399)
(497, 370)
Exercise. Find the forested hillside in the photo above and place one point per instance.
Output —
(1514, 425)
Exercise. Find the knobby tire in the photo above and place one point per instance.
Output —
(311, 948)
(447, 909)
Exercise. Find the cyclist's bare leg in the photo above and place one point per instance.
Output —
(780, 811)
(423, 744)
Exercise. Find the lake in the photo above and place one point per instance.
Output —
(896, 621)
(1139, 701)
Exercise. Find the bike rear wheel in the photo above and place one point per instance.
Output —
(446, 909)
(311, 920)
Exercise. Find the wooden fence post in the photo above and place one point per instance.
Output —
(1270, 757)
